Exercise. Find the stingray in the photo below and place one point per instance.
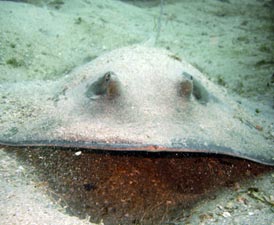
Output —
(133, 99)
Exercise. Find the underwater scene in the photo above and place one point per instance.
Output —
(137, 112)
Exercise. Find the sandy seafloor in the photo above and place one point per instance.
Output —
(231, 42)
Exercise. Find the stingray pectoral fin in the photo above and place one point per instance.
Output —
(136, 108)
(106, 85)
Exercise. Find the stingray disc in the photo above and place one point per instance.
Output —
(133, 98)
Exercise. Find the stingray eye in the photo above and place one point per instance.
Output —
(106, 85)
(113, 86)
(107, 76)
(186, 88)
(190, 85)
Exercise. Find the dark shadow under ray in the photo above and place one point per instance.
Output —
(133, 187)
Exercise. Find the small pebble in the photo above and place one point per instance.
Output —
(226, 214)
(220, 207)
(20, 169)
(259, 128)
(78, 153)
(229, 205)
